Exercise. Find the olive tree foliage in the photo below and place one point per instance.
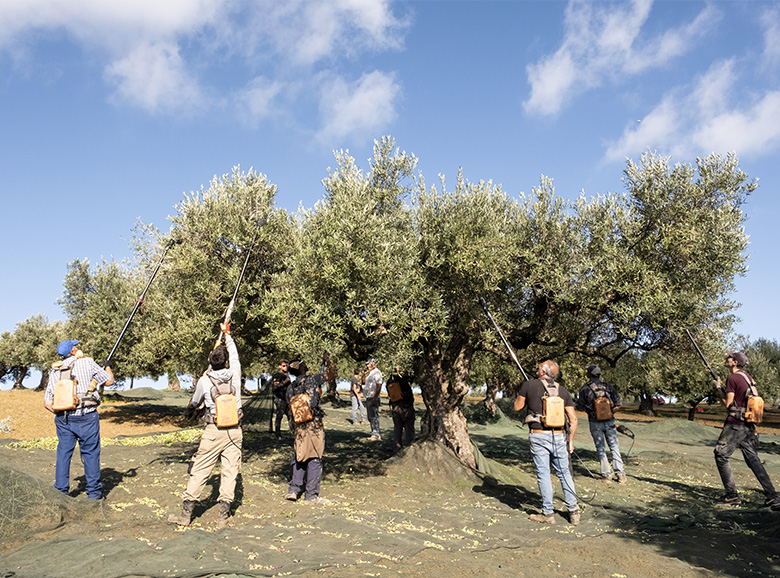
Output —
(215, 227)
(351, 281)
(606, 276)
(32, 345)
(764, 366)
(97, 300)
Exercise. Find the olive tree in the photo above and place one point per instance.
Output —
(32, 345)
(216, 227)
(97, 300)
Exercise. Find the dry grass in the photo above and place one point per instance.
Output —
(29, 419)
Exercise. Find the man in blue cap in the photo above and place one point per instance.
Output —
(79, 423)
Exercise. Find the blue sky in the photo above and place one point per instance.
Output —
(111, 111)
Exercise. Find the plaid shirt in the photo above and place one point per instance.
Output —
(84, 370)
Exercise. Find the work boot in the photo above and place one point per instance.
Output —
(730, 500)
(772, 502)
(542, 518)
(621, 479)
(185, 516)
(224, 514)
(292, 496)
(317, 501)
(574, 517)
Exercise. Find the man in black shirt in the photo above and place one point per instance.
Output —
(280, 381)
(549, 443)
(402, 405)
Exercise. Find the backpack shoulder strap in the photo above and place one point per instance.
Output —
(551, 390)
(751, 389)
(220, 387)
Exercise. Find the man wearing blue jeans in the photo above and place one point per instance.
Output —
(602, 429)
(550, 443)
(81, 424)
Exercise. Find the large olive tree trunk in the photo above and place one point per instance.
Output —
(21, 373)
(490, 395)
(331, 378)
(442, 375)
(692, 405)
(44, 381)
(173, 381)
(646, 404)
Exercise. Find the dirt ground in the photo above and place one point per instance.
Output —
(414, 513)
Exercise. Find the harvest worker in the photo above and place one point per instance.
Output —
(355, 389)
(738, 433)
(402, 406)
(600, 401)
(280, 381)
(371, 389)
(219, 442)
(548, 440)
(303, 402)
(81, 423)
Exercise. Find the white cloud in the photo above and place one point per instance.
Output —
(358, 109)
(307, 32)
(159, 55)
(604, 42)
(657, 127)
(107, 23)
(257, 100)
(770, 22)
(705, 118)
(750, 131)
(154, 77)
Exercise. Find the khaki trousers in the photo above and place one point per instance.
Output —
(217, 443)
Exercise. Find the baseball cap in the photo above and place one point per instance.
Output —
(594, 370)
(739, 357)
(64, 347)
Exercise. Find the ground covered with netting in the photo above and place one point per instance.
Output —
(418, 512)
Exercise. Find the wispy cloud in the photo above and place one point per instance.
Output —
(706, 117)
(358, 108)
(159, 55)
(770, 22)
(604, 43)
(307, 32)
(257, 100)
(155, 78)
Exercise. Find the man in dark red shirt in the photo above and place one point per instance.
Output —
(738, 433)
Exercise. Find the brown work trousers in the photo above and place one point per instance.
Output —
(222, 444)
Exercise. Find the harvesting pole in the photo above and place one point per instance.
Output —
(260, 222)
(503, 338)
(139, 301)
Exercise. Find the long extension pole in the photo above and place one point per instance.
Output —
(504, 339)
(704, 359)
(714, 375)
(229, 311)
(140, 300)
